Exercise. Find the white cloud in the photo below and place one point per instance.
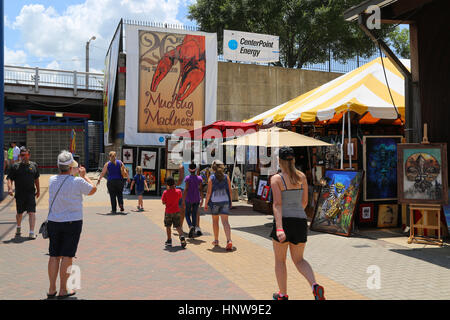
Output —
(49, 35)
(15, 58)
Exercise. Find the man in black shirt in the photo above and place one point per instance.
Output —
(25, 175)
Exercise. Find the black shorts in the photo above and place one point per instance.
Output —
(295, 229)
(26, 203)
(64, 238)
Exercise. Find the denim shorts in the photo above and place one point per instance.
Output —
(139, 192)
(217, 208)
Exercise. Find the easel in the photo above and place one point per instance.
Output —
(425, 210)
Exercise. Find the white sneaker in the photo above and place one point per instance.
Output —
(198, 231)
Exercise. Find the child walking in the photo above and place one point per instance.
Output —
(192, 198)
(171, 198)
(140, 182)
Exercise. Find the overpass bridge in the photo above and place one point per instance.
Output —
(53, 90)
(45, 108)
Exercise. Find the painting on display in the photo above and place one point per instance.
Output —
(151, 179)
(127, 155)
(387, 215)
(130, 170)
(148, 160)
(422, 173)
(380, 166)
(446, 209)
(366, 213)
(265, 193)
(261, 185)
(337, 202)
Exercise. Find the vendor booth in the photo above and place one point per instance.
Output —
(361, 114)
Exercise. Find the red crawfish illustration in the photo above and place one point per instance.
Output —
(191, 55)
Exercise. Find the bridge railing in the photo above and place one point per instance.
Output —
(38, 77)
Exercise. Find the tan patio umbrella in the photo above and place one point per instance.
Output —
(276, 137)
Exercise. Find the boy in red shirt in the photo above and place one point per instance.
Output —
(170, 199)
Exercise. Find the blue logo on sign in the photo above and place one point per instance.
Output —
(232, 44)
(161, 139)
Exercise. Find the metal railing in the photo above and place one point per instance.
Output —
(38, 77)
(331, 65)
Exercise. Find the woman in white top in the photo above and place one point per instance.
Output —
(65, 219)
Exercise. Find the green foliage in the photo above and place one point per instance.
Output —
(399, 40)
(308, 29)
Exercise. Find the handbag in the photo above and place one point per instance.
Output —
(123, 171)
(44, 226)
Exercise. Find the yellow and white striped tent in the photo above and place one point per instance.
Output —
(362, 90)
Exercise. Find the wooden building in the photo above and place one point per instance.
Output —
(428, 82)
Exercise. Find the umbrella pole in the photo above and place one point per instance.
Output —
(349, 144)
(342, 142)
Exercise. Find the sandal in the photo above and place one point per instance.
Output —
(229, 246)
(52, 296)
(215, 243)
(67, 295)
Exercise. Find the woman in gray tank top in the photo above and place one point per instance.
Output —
(290, 197)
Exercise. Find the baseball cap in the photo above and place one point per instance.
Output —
(66, 159)
(286, 153)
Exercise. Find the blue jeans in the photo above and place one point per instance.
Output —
(191, 211)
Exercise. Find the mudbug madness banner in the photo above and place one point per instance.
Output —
(171, 82)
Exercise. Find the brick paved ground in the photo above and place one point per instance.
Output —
(123, 257)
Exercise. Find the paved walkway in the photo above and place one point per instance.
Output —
(123, 257)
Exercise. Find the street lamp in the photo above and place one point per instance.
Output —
(87, 61)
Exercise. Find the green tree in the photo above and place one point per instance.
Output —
(399, 40)
(308, 29)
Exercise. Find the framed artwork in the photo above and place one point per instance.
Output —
(148, 160)
(162, 176)
(265, 193)
(337, 202)
(380, 166)
(353, 148)
(261, 184)
(366, 213)
(130, 170)
(446, 209)
(255, 176)
(422, 173)
(127, 155)
(387, 215)
(151, 179)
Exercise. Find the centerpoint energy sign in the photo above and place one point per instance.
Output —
(250, 47)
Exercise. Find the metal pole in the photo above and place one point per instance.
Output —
(2, 100)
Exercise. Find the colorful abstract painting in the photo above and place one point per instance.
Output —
(337, 202)
(380, 166)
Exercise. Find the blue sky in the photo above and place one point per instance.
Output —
(53, 33)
